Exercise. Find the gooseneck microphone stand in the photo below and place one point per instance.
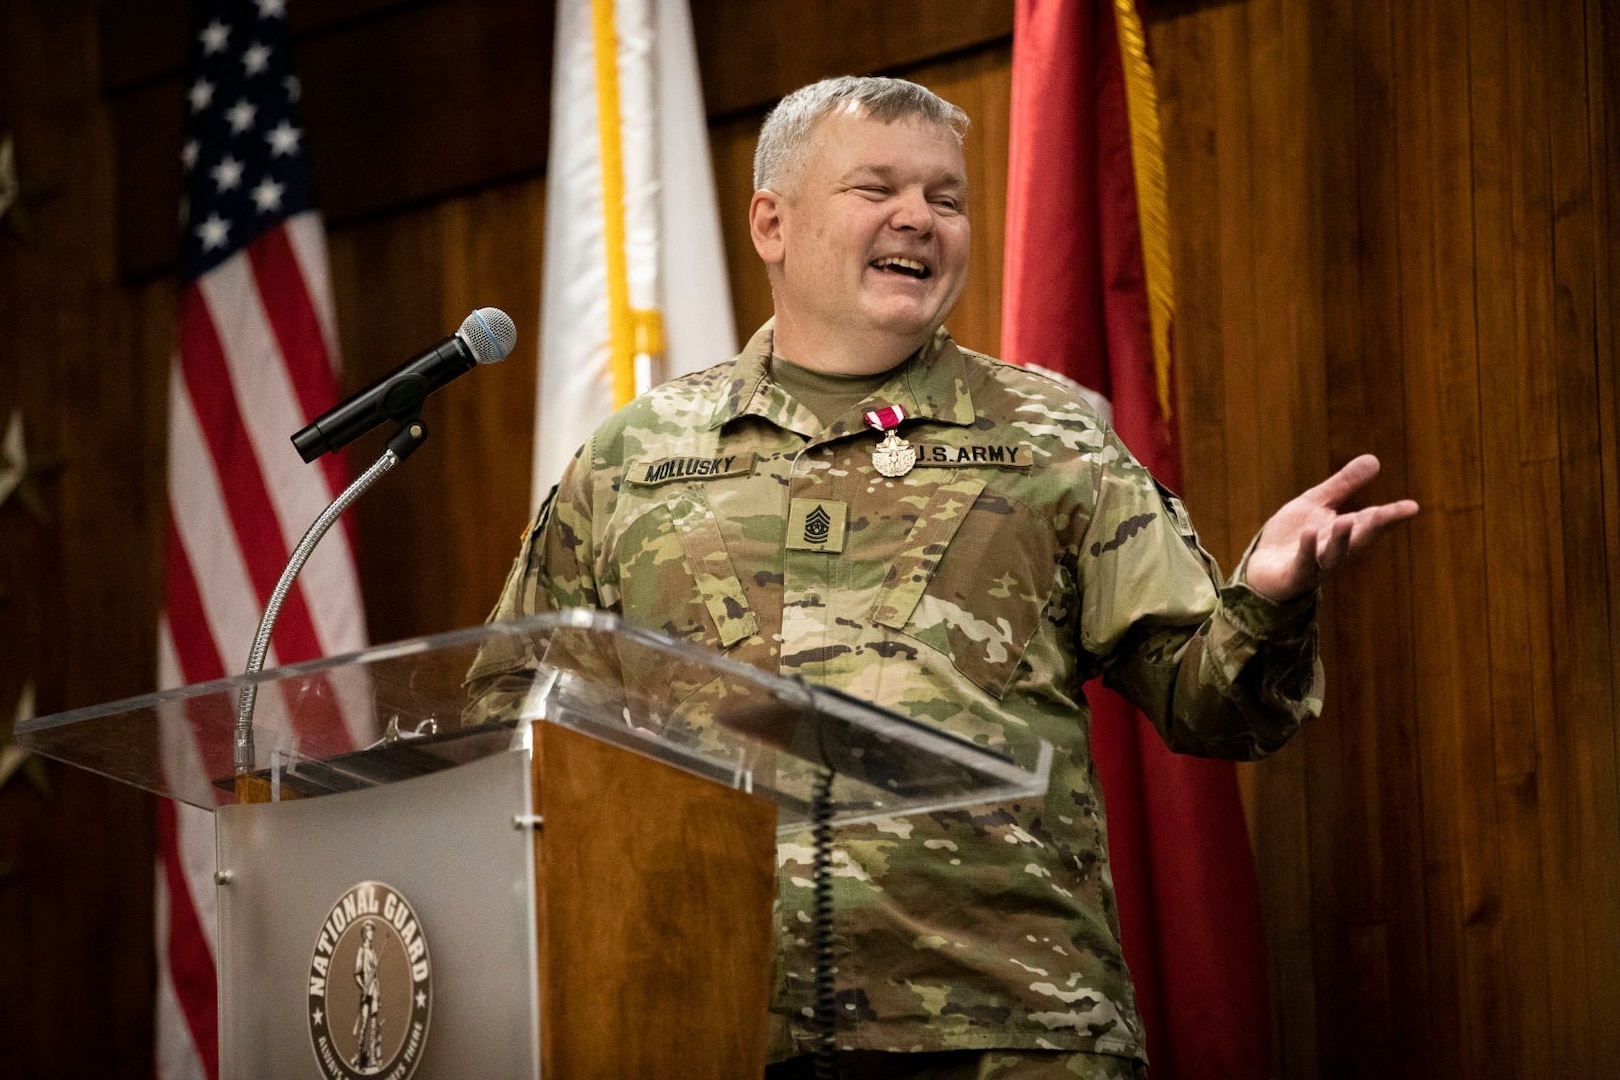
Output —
(411, 434)
(485, 337)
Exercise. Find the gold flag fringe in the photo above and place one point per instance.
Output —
(1152, 194)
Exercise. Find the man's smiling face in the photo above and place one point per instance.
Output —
(873, 234)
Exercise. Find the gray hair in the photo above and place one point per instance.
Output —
(785, 137)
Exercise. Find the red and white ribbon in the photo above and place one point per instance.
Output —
(885, 418)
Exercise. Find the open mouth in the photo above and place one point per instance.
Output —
(908, 267)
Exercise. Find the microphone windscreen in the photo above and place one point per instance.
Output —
(489, 333)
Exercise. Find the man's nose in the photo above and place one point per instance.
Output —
(912, 213)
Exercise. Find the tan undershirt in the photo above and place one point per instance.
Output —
(827, 395)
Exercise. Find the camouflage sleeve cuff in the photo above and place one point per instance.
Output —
(1262, 618)
(1268, 620)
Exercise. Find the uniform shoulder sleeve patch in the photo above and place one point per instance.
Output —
(1176, 509)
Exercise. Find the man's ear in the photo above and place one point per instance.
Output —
(765, 225)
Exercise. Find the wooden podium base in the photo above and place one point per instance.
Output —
(654, 896)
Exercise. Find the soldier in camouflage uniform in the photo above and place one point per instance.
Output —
(1018, 553)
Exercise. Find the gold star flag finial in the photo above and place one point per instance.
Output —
(9, 188)
(18, 472)
(14, 758)
(16, 197)
(13, 457)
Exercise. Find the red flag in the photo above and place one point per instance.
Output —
(1081, 299)
(255, 358)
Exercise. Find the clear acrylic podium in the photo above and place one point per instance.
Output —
(567, 872)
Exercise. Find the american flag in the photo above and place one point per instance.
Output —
(256, 358)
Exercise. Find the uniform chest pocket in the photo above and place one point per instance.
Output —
(971, 582)
(675, 574)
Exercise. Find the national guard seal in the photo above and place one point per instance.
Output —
(370, 986)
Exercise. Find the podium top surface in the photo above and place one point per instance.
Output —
(398, 711)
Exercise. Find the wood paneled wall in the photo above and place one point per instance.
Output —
(1394, 236)
(79, 587)
(1391, 235)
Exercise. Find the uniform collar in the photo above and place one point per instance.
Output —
(931, 384)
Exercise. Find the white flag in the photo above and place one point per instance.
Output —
(635, 276)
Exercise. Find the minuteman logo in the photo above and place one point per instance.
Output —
(370, 986)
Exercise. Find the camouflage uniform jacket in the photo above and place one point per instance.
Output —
(1025, 553)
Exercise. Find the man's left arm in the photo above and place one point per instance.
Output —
(1240, 681)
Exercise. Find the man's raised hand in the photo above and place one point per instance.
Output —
(1310, 535)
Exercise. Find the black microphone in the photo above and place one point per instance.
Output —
(486, 336)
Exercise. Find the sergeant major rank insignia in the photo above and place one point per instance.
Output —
(817, 525)
(370, 986)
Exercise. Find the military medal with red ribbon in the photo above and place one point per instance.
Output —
(893, 456)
